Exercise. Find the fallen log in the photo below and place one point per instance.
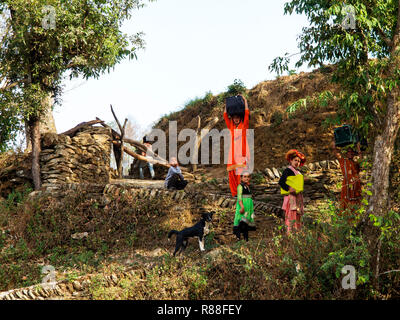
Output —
(134, 143)
(71, 132)
(140, 157)
(143, 158)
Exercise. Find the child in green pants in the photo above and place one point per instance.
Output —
(244, 216)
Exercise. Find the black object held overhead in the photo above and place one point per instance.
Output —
(346, 135)
(235, 106)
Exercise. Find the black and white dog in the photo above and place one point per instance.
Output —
(200, 230)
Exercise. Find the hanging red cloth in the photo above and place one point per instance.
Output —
(351, 185)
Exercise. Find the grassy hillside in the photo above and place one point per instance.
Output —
(128, 235)
(276, 131)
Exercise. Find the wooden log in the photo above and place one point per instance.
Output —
(116, 119)
(71, 132)
(195, 156)
(143, 158)
(134, 143)
(140, 157)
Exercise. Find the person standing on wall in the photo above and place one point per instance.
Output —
(236, 115)
(143, 164)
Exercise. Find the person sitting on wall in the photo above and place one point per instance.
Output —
(174, 179)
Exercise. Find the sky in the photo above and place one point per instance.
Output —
(192, 47)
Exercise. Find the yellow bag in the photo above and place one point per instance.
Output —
(296, 182)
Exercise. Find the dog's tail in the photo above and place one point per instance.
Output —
(171, 233)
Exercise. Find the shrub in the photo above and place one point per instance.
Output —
(276, 118)
(237, 87)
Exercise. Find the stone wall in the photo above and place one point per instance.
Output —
(15, 172)
(84, 157)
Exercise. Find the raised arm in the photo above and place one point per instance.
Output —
(240, 198)
(335, 150)
(227, 120)
(246, 106)
(359, 150)
(246, 112)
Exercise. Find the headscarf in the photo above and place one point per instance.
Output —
(293, 153)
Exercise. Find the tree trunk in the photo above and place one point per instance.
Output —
(117, 155)
(46, 124)
(121, 158)
(34, 129)
(383, 151)
(385, 142)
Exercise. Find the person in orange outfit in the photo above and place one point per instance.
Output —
(239, 154)
(350, 195)
(293, 203)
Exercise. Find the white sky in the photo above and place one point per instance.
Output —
(192, 46)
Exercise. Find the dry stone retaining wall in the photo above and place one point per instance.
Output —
(83, 158)
(66, 289)
(274, 173)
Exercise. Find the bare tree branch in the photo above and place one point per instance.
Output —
(116, 119)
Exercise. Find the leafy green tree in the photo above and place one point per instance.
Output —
(362, 39)
(44, 41)
(9, 123)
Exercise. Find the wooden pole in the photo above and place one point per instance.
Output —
(121, 147)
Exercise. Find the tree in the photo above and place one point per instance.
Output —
(43, 41)
(362, 39)
(9, 123)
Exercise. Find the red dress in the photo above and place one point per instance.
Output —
(239, 153)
